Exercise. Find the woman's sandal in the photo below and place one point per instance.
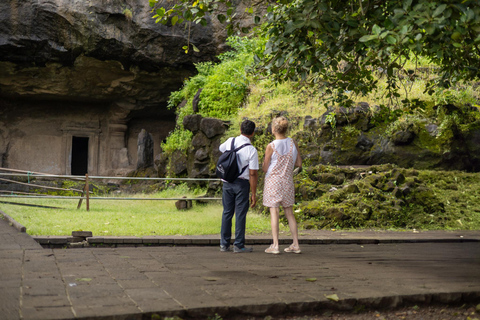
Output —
(272, 250)
(293, 249)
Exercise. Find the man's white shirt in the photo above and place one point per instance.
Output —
(248, 155)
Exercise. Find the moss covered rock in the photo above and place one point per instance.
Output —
(371, 197)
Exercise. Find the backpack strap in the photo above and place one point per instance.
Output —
(232, 147)
(235, 150)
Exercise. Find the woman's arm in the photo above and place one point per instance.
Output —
(268, 158)
(298, 161)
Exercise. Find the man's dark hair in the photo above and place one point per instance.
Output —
(247, 127)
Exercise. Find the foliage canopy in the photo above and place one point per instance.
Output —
(340, 45)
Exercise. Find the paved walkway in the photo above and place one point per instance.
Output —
(191, 281)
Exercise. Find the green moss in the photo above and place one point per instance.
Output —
(391, 197)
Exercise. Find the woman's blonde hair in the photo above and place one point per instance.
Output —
(280, 124)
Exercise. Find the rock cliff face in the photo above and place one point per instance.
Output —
(96, 50)
(95, 71)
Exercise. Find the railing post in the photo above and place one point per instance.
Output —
(81, 197)
(87, 191)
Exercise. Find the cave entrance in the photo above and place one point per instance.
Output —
(79, 163)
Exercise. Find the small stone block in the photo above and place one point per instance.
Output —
(132, 240)
(58, 240)
(181, 204)
(75, 239)
(83, 234)
(95, 240)
(112, 240)
(201, 242)
(151, 240)
(41, 240)
(182, 241)
(165, 241)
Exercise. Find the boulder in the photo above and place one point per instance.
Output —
(192, 122)
(201, 155)
(212, 127)
(160, 163)
(403, 137)
(200, 140)
(310, 123)
(179, 163)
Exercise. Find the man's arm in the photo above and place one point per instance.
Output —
(253, 187)
(224, 146)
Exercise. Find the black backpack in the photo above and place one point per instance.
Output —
(227, 165)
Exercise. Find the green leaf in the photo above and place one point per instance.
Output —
(389, 24)
(407, 4)
(376, 29)
(332, 297)
(439, 10)
(367, 38)
(352, 23)
(279, 62)
(289, 28)
(211, 278)
(430, 29)
(161, 12)
(174, 20)
(391, 40)
(256, 19)
(299, 23)
(311, 279)
(470, 15)
(221, 18)
(83, 279)
(457, 45)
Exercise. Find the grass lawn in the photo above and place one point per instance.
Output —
(126, 218)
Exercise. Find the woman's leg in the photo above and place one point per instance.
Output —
(292, 223)
(274, 216)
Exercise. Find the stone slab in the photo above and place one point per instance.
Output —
(200, 281)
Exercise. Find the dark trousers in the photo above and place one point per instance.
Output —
(236, 200)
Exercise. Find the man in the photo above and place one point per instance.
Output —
(235, 196)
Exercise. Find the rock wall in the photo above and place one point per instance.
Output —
(357, 136)
(200, 159)
(101, 70)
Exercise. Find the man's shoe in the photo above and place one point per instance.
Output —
(241, 250)
(225, 249)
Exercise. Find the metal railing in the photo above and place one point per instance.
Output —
(85, 193)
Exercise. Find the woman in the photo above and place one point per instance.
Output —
(281, 156)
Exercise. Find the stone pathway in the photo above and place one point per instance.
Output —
(199, 281)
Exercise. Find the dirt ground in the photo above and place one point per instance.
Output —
(430, 312)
